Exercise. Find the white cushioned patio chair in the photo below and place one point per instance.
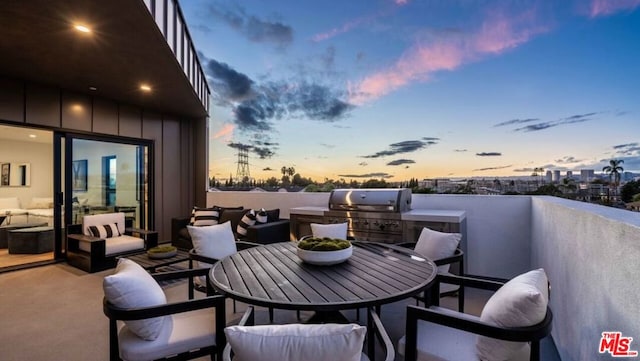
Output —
(102, 238)
(144, 326)
(308, 342)
(510, 327)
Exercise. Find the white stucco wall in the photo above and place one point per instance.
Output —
(591, 254)
(592, 257)
(498, 227)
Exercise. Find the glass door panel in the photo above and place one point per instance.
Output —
(105, 178)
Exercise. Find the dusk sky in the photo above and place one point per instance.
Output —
(401, 89)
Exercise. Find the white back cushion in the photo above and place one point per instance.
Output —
(338, 230)
(518, 303)
(297, 342)
(216, 241)
(132, 287)
(101, 220)
(437, 245)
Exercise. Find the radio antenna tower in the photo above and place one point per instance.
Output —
(242, 173)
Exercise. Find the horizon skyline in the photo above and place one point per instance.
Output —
(406, 89)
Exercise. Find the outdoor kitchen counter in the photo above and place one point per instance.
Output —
(309, 211)
(429, 215)
(434, 215)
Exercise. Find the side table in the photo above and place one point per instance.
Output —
(4, 230)
(151, 264)
(30, 240)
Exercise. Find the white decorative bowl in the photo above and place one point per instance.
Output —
(323, 258)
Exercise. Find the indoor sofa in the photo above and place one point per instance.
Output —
(275, 230)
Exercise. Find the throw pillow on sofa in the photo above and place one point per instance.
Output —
(253, 217)
(204, 216)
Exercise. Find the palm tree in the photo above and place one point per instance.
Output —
(614, 169)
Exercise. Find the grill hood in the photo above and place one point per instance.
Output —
(392, 200)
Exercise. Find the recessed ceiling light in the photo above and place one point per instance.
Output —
(32, 135)
(145, 87)
(92, 88)
(82, 28)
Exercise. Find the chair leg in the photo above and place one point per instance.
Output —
(270, 315)
(298, 314)
(234, 306)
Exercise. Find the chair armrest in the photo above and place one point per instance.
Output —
(458, 256)
(246, 320)
(150, 237)
(411, 245)
(246, 245)
(473, 324)
(271, 232)
(193, 256)
(172, 275)
(375, 328)
(116, 313)
(83, 238)
(177, 224)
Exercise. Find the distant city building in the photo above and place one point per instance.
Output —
(569, 174)
(587, 175)
(555, 176)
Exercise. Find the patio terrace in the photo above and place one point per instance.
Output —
(589, 252)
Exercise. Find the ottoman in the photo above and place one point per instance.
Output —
(30, 240)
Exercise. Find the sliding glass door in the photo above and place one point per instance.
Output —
(104, 176)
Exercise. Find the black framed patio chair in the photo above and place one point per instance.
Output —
(308, 342)
(143, 326)
(512, 324)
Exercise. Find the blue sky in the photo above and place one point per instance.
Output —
(401, 89)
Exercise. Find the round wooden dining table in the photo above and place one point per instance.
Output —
(273, 276)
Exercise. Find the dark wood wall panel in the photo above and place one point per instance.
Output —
(201, 168)
(179, 144)
(152, 129)
(105, 116)
(172, 171)
(130, 124)
(11, 100)
(42, 105)
(76, 111)
(186, 169)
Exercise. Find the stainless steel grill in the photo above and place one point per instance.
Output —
(372, 214)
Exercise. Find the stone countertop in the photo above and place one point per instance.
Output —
(434, 215)
(309, 211)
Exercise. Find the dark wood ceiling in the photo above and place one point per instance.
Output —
(38, 43)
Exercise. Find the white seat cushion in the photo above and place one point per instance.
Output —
(132, 287)
(439, 343)
(116, 245)
(338, 230)
(179, 333)
(437, 245)
(297, 342)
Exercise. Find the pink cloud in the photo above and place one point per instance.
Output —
(346, 27)
(496, 35)
(357, 22)
(225, 133)
(608, 7)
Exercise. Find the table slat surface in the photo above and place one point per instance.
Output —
(273, 275)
